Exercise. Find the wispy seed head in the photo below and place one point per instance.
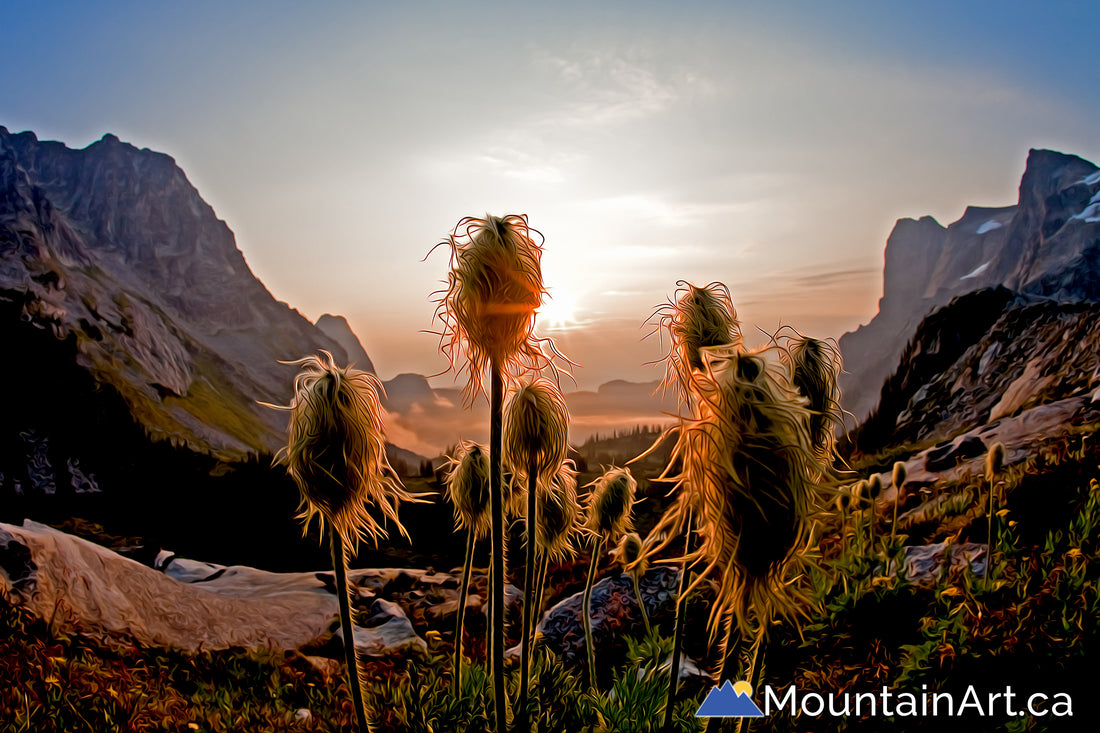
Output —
(336, 451)
(610, 503)
(493, 289)
(559, 515)
(994, 461)
(697, 319)
(815, 371)
(467, 485)
(630, 553)
(536, 430)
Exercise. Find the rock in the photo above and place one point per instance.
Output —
(338, 329)
(1024, 389)
(386, 631)
(17, 563)
(329, 668)
(615, 615)
(948, 456)
(193, 606)
(82, 587)
(925, 564)
(1018, 434)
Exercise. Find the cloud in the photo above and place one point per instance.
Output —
(608, 87)
(830, 278)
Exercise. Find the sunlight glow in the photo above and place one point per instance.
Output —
(558, 312)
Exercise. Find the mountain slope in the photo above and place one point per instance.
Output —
(112, 247)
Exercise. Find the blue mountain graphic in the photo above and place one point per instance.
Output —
(723, 702)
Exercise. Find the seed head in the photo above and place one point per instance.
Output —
(493, 289)
(336, 451)
(698, 319)
(610, 503)
(874, 488)
(536, 431)
(630, 554)
(815, 369)
(749, 464)
(559, 515)
(844, 499)
(467, 485)
(994, 461)
(899, 475)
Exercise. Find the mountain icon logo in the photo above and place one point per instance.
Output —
(731, 700)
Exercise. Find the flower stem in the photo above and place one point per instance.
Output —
(496, 494)
(467, 567)
(528, 600)
(756, 666)
(544, 565)
(588, 613)
(340, 569)
(730, 651)
(678, 630)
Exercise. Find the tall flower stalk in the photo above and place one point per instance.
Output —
(488, 313)
(336, 454)
(872, 490)
(560, 524)
(467, 484)
(609, 515)
(898, 478)
(536, 431)
(630, 554)
(994, 463)
(697, 321)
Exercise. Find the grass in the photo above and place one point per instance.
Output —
(50, 682)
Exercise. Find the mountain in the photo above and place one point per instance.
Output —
(337, 329)
(112, 251)
(986, 357)
(1046, 246)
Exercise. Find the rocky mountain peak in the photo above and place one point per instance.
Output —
(113, 247)
(1047, 245)
(339, 330)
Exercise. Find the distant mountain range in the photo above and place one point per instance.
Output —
(1046, 248)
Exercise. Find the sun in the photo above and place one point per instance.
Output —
(558, 312)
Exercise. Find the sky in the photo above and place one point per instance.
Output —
(769, 146)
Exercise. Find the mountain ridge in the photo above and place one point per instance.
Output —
(114, 246)
(1046, 245)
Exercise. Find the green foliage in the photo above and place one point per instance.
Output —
(636, 700)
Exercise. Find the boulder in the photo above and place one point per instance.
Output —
(384, 632)
(615, 615)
